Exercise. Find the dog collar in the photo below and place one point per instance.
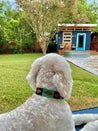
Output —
(48, 93)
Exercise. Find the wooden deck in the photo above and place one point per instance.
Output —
(93, 52)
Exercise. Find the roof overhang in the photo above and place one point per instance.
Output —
(77, 26)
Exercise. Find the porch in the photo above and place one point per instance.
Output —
(77, 54)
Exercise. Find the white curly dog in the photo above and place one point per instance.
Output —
(46, 110)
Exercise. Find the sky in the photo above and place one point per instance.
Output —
(12, 2)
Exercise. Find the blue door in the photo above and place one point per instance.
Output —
(81, 41)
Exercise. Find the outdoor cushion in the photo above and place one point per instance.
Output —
(85, 111)
(61, 47)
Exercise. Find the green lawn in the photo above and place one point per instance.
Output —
(14, 89)
(85, 89)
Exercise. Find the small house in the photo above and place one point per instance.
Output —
(76, 37)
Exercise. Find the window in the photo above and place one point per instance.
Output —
(67, 37)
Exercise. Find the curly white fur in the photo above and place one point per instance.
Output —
(51, 72)
(40, 113)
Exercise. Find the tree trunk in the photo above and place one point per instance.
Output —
(44, 52)
(44, 45)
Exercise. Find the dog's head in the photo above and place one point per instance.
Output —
(52, 72)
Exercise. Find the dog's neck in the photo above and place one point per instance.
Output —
(48, 93)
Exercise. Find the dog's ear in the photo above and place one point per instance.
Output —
(31, 77)
(63, 80)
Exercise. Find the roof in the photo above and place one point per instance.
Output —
(87, 26)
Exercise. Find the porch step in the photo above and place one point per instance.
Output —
(93, 52)
(61, 52)
(77, 54)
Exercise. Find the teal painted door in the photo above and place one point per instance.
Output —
(81, 41)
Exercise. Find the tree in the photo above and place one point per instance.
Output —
(17, 31)
(79, 14)
(44, 15)
(13, 28)
(91, 10)
(2, 18)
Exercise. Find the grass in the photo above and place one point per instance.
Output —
(85, 89)
(14, 89)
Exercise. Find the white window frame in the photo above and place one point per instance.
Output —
(65, 37)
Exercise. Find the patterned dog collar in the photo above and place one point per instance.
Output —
(48, 93)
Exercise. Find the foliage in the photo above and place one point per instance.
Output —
(95, 29)
(17, 31)
(43, 16)
(2, 38)
(51, 46)
(2, 41)
(14, 29)
(83, 13)
(91, 10)
(78, 15)
(15, 90)
(29, 47)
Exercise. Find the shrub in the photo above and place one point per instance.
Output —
(29, 47)
(3, 45)
(52, 46)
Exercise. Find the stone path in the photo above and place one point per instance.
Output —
(90, 63)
